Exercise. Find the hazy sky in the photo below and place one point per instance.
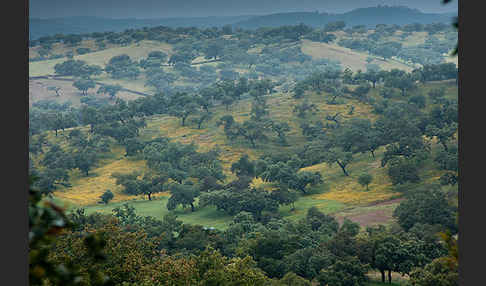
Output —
(191, 8)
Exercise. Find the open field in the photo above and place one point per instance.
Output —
(352, 59)
(209, 216)
(135, 51)
(414, 39)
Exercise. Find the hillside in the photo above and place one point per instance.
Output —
(284, 63)
(280, 156)
(339, 195)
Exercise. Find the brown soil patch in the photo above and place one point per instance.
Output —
(376, 213)
(394, 201)
(367, 219)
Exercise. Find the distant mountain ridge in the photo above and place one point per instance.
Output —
(371, 16)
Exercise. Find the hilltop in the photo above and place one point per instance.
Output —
(372, 16)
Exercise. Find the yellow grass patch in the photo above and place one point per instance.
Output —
(346, 189)
(355, 194)
(87, 190)
(414, 39)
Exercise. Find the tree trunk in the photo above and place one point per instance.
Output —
(373, 153)
(149, 196)
(333, 100)
(252, 143)
(445, 145)
(374, 84)
(342, 167)
(192, 207)
(382, 276)
(389, 276)
(183, 121)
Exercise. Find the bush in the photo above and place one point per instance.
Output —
(436, 94)
(403, 170)
(449, 178)
(91, 100)
(419, 100)
(426, 205)
(82, 51)
(388, 92)
(344, 272)
(107, 196)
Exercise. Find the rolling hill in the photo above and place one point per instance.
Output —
(370, 17)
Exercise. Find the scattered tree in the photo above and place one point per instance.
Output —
(106, 197)
(365, 180)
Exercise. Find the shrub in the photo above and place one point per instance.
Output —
(82, 51)
(403, 170)
(107, 196)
